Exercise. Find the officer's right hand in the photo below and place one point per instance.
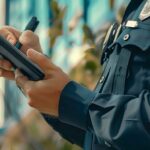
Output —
(28, 40)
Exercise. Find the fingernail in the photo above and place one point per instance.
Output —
(11, 41)
(29, 52)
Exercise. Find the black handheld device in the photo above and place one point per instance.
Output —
(32, 25)
(20, 60)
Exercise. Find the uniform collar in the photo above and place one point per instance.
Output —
(133, 5)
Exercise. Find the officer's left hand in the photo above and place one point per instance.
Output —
(44, 94)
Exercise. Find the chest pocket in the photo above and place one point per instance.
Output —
(137, 37)
(137, 42)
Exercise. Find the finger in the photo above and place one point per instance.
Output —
(42, 61)
(22, 81)
(8, 36)
(24, 37)
(11, 39)
(20, 78)
(5, 64)
(7, 74)
(13, 30)
(28, 42)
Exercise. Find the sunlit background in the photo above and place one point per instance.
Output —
(71, 33)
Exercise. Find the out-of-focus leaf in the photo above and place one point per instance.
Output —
(88, 36)
(111, 2)
(74, 21)
(91, 66)
(56, 28)
(92, 51)
(55, 8)
(120, 13)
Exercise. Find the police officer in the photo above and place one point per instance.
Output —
(116, 116)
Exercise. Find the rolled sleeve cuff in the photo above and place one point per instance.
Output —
(73, 106)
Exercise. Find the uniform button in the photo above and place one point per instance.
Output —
(102, 79)
(107, 144)
(126, 37)
(114, 31)
(124, 23)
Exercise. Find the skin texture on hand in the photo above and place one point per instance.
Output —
(43, 95)
(28, 40)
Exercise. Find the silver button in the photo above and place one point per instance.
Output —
(114, 31)
(124, 23)
(107, 144)
(126, 37)
(102, 79)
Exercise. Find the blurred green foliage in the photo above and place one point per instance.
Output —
(56, 28)
(86, 72)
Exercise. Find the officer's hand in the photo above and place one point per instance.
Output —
(44, 94)
(27, 38)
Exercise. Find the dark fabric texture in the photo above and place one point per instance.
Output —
(73, 134)
(108, 120)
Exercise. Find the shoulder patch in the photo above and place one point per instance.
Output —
(145, 13)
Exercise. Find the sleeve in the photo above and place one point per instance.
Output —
(123, 121)
(73, 134)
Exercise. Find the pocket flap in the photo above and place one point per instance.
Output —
(135, 37)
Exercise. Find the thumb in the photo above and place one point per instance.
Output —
(42, 61)
(10, 33)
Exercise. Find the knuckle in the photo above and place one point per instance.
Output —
(2, 30)
(30, 92)
(31, 103)
(4, 64)
(8, 34)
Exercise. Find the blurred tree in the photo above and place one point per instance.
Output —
(112, 2)
(56, 22)
(88, 69)
(86, 72)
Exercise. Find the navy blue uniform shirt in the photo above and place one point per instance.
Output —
(116, 116)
